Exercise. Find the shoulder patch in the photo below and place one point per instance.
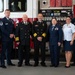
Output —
(1, 23)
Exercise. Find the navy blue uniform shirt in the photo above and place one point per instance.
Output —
(7, 28)
(55, 34)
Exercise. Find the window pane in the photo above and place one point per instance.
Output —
(18, 5)
(1, 5)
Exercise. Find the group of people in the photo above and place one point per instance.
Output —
(39, 32)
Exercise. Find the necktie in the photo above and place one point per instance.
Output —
(52, 28)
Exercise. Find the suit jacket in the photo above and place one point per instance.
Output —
(7, 28)
(39, 29)
(23, 32)
(55, 34)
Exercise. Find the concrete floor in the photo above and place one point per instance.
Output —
(24, 70)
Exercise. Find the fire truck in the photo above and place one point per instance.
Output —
(19, 7)
(49, 8)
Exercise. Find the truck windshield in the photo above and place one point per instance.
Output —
(18, 5)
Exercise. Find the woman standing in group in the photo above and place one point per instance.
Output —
(55, 39)
(69, 32)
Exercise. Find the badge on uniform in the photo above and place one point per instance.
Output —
(21, 28)
(56, 28)
(6, 23)
(69, 27)
(36, 25)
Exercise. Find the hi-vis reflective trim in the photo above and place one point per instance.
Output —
(35, 34)
(17, 39)
(44, 34)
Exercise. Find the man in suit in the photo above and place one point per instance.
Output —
(23, 35)
(7, 31)
(39, 30)
(55, 39)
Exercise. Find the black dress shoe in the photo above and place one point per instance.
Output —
(28, 64)
(19, 65)
(43, 64)
(35, 65)
(56, 66)
(73, 64)
(51, 65)
(11, 64)
(67, 66)
(3, 66)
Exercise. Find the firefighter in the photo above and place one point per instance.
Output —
(39, 30)
(7, 29)
(23, 35)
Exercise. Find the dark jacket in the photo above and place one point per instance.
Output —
(55, 34)
(39, 30)
(7, 28)
(23, 32)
